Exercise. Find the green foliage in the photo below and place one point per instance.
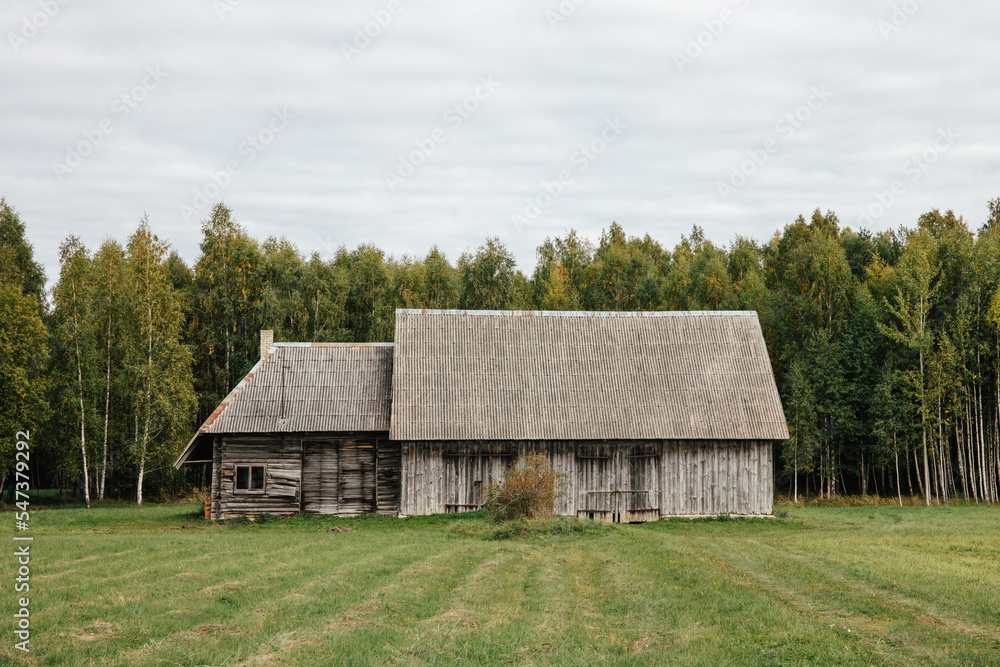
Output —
(226, 308)
(367, 312)
(546, 527)
(883, 344)
(23, 356)
(17, 264)
(158, 365)
(488, 278)
(527, 491)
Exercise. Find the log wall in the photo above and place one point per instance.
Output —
(610, 481)
(282, 456)
(312, 473)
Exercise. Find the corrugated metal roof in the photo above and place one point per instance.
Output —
(304, 387)
(311, 387)
(513, 375)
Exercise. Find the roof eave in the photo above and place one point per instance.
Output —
(204, 428)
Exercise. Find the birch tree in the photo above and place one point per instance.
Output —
(108, 281)
(908, 325)
(160, 366)
(71, 301)
(800, 407)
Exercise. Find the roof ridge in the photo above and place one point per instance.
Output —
(580, 313)
(291, 344)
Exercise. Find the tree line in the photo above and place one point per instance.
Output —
(885, 345)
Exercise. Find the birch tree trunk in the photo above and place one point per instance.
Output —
(923, 416)
(107, 412)
(899, 492)
(796, 495)
(149, 383)
(83, 413)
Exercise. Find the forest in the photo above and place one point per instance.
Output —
(885, 344)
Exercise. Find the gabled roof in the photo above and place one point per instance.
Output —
(308, 387)
(539, 375)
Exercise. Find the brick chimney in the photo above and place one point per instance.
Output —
(266, 341)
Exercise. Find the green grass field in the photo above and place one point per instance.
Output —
(832, 586)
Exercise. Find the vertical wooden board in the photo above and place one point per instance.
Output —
(767, 478)
(680, 471)
(711, 497)
(216, 498)
(357, 487)
(404, 481)
(694, 497)
(388, 475)
(642, 486)
(319, 477)
(745, 481)
(664, 508)
(563, 458)
(595, 481)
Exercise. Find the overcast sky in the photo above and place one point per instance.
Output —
(409, 124)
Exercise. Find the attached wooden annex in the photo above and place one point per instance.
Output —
(647, 415)
(305, 431)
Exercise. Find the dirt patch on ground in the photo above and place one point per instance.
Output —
(461, 617)
(280, 644)
(359, 614)
(215, 630)
(340, 529)
(94, 631)
(229, 587)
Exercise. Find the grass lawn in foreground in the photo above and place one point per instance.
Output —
(833, 586)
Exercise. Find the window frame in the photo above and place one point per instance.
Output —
(250, 467)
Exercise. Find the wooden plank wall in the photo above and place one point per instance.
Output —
(717, 477)
(285, 482)
(320, 478)
(282, 456)
(694, 477)
(216, 507)
(390, 461)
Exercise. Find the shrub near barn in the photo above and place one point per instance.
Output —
(528, 492)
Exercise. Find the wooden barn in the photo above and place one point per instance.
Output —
(307, 430)
(647, 415)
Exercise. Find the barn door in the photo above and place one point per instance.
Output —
(320, 487)
(643, 468)
(596, 483)
(468, 474)
(357, 477)
(618, 483)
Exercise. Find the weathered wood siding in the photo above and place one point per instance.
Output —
(388, 465)
(717, 477)
(216, 504)
(610, 481)
(312, 473)
(320, 478)
(282, 456)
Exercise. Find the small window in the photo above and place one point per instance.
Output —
(249, 478)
